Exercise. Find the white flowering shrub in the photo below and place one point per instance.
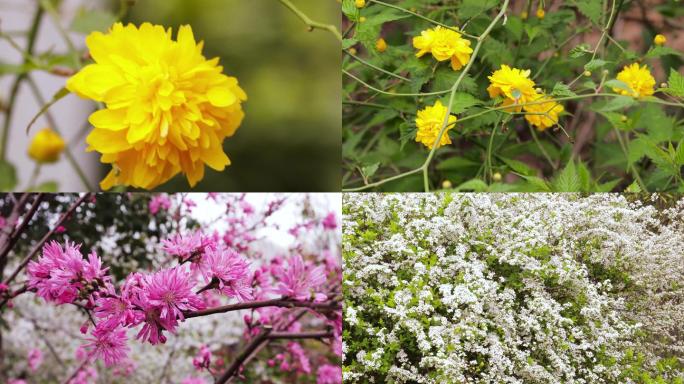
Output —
(513, 288)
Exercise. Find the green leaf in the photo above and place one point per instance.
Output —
(619, 102)
(456, 163)
(462, 101)
(475, 185)
(370, 170)
(590, 8)
(580, 50)
(537, 183)
(562, 90)
(636, 149)
(470, 8)
(655, 52)
(568, 180)
(594, 64)
(532, 31)
(519, 167)
(348, 43)
(349, 9)
(675, 84)
(48, 186)
(515, 26)
(8, 176)
(87, 21)
(615, 83)
(633, 188)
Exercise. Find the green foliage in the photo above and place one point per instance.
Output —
(603, 141)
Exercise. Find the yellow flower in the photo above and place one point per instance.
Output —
(429, 122)
(168, 108)
(544, 115)
(540, 13)
(639, 79)
(513, 85)
(659, 39)
(46, 146)
(381, 45)
(360, 3)
(444, 44)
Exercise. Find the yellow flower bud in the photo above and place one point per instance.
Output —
(360, 3)
(587, 73)
(352, 50)
(523, 15)
(362, 19)
(623, 118)
(663, 85)
(446, 184)
(381, 45)
(496, 176)
(46, 146)
(659, 39)
(540, 13)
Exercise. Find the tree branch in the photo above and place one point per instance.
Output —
(285, 303)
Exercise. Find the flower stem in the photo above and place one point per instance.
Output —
(310, 23)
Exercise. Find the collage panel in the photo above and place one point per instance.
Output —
(142, 288)
(513, 96)
(169, 95)
(513, 288)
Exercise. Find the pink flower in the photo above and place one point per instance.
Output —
(193, 380)
(189, 247)
(60, 229)
(247, 208)
(3, 288)
(330, 222)
(3, 222)
(124, 368)
(116, 311)
(298, 355)
(92, 269)
(164, 297)
(228, 271)
(203, 358)
(108, 344)
(86, 375)
(35, 359)
(17, 381)
(159, 201)
(329, 374)
(56, 274)
(299, 282)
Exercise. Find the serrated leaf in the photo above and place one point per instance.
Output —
(519, 167)
(515, 26)
(594, 64)
(633, 188)
(349, 9)
(538, 183)
(462, 101)
(619, 102)
(590, 8)
(369, 170)
(655, 52)
(675, 84)
(568, 180)
(562, 90)
(348, 43)
(615, 83)
(579, 50)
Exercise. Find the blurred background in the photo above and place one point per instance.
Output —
(290, 138)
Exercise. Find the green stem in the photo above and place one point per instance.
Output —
(310, 23)
(33, 33)
(362, 61)
(56, 20)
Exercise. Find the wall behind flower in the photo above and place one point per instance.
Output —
(290, 138)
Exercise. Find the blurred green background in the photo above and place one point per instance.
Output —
(291, 136)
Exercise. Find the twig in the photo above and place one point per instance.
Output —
(253, 345)
(310, 23)
(330, 305)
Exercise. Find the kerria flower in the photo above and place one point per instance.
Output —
(543, 115)
(429, 122)
(639, 80)
(227, 271)
(444, 44)
(108, 344)
(46, 146)
(329, 374)
(513, 84)
(168, 108)
(299, 282)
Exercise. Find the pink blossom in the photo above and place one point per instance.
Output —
(159, 201)
(116, 311)
(203, 358)
(86, 375)
(108, 344)
(298, 356)
(35, 359)
(330, 222)
(17, 381)
(3, 288)
(299, 282)
(193, 380)
(3, 222)
(228, 271)
(329, 374)
(247, 208)
(57, 273)
(189, 247)
(60, 229)
(124, 368)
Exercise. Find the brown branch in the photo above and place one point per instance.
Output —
(301, 335)
(285, 303)
(45, 238)
(14, 236)
(253, 345)
(80, 367)
(8, 230)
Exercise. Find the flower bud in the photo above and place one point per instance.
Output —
(360, 3)
(362, 19)
(587, 73)
(381, 45)
(446, 184)
(496, 176)
(663, 85)
(46, 146)
(540, 13)
(659, 39)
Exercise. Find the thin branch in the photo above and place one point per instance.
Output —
(15, 235)
(285, 303)
(310, 23)
(251, 347)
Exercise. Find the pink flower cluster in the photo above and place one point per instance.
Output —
(157, 302)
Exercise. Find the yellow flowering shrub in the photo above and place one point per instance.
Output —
(429, 122)
(549, 96)
(167, 108)
(444, 44)
(46, 146)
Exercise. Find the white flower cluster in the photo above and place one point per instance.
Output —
(510, 288)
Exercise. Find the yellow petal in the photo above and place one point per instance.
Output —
(105, 141)
(112, 119)
(221, 97)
